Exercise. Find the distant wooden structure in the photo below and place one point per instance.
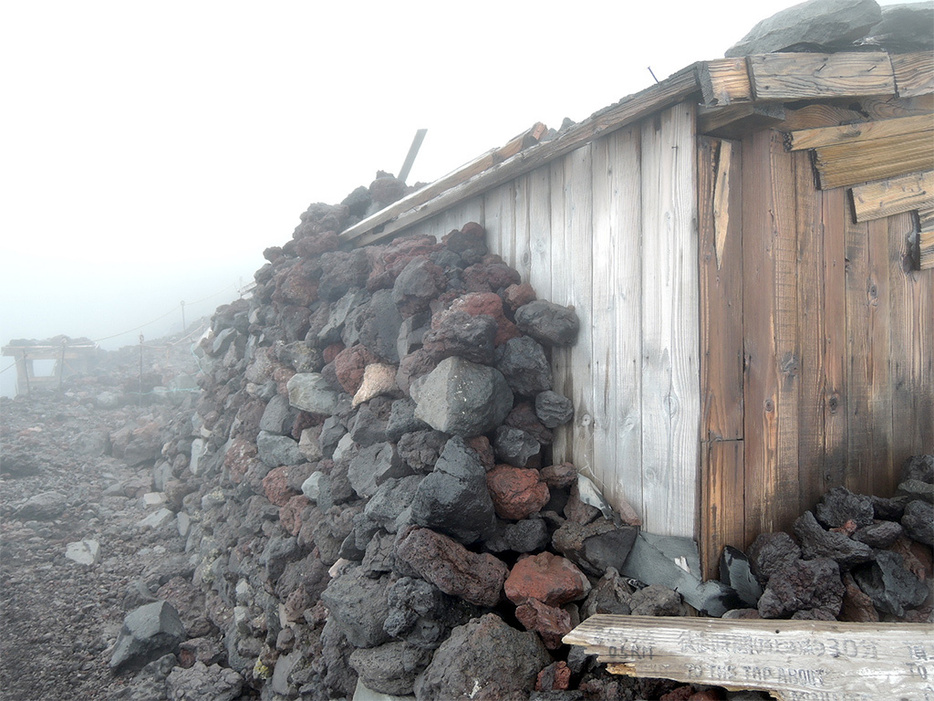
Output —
(71, 357)
(749, 245)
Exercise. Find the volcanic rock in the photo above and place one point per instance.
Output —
(458, 333)
(771, 552)
(390, 668)
(148, 633)
(525, 366)
(655, 600)
(514, 446)
(358, 604)
(816, 543)
(309, 391)
(890, 585)
(548, 323)
(550, 579)
(516, 492)
(551, 622)
(918, 521)
(804, 585)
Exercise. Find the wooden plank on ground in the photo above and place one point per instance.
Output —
(626, 220)
(894, 196)
(770, 324)
(859, 132)
(456, 177)
(812, 318)
(670, 367)
(668, 92)
(724, 81)
(914, 73)
(850, 164)
(799, 76)
(792, 660)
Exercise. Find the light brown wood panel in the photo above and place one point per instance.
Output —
(883, 476)
(499, 211)
(894, 196)
(914, 73)
(770, 321)
(522, 254)
(723, 517)
(724, 81)
(798, 76)
(890, 157)
(670, 366)
(858, 132)
(559, 286)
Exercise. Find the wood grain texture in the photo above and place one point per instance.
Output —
(826, 660)
(670, 368)
(859, 132)
(893, 196)
(798, 76)
(914, 73)
(770, 322)
(733, 121)
(724, 81)
(850, 164)
(540, 238)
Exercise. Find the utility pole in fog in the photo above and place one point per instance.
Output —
(184, 325)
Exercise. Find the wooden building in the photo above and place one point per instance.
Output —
(749, 245)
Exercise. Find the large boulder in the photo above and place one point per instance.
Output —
(825, 22)
(309, 391)
(358, 604)
(462, 398)
(148, 633)
(484, 660)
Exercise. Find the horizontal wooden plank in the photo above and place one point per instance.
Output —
(672, 90)
(798, 76)
(914, 73)
(826, 660)
(490, 158)
(857, 133)
(894, 196)
(842, 165)
(888, 107)
(724, 81)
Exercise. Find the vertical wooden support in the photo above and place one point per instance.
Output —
(560, 358)
(719, 216)
(670, 366)
(540, 234)
(770, 320)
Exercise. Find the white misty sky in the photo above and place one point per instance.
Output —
(151, 151)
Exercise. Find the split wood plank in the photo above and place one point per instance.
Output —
(490, 158)
(722, 516)
(799, 76)
(820, 115)
(842, 165)
(826, 660)
(724, 81)
(670, 313)
(888, 107)
(858, 132)
(626, 221)
(770, 328)
(914, 73)
(672, 90)
(894, 196)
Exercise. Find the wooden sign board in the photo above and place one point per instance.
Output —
(792, 660)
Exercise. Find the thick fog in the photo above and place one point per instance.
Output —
(152, 151)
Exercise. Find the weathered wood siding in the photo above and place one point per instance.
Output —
(817, 342)
(610, 228)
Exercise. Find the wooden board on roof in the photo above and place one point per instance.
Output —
(800, 76)
(841, 165)
(914, 73)
(724, 81)
(887, 197)
(859, 132)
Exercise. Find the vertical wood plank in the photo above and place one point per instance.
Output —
(626, 225)
(770, 320)
(719, 217)
(833, 218)
(521, 249)
(882, 478)
(558, 286)
(540, 231)
(670, 366)
(500, 221)
(811, 321)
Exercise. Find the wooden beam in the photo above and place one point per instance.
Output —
(827, 660)
(531, 136)
(734, 121)
(914, 73)
(894, 196)
(672, 90)
(858, 133)
(799, 76)
(926, 238)
(888, 107)
(842, 165)
(724, 82)
(820, 115)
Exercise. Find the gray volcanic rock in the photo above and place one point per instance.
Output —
(358, 604)
(42, 507)
(840, 505)
(822, 22)
(805, 585)
(523, 363)
(552, 409)
(457, 333)
(462, 398)
(390, 668)
(816, 542)
(309, 391)
(905, 28)
(918, 521)
(454, 498)
(148, 633)
(275, 450)
(891, 586)
(379, 329)
(548, 323)
(485, 658)
(771, 552)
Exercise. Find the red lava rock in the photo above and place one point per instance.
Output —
(331, 351)
(523, 417)
(516, 491)
(551, 579)
(294, 285)
(559, 476)
(555, 677)
(481, 444)
(390, 260)
(475, 577)
(705, 695)
(490, 275)
(847, 529)
(290, 514)
(282, 375)
(314, 245)
(276, 486)
(516, 296)
(239, 457)
(551, 622)
(350, 364)
(682, 693)
(489, 304)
